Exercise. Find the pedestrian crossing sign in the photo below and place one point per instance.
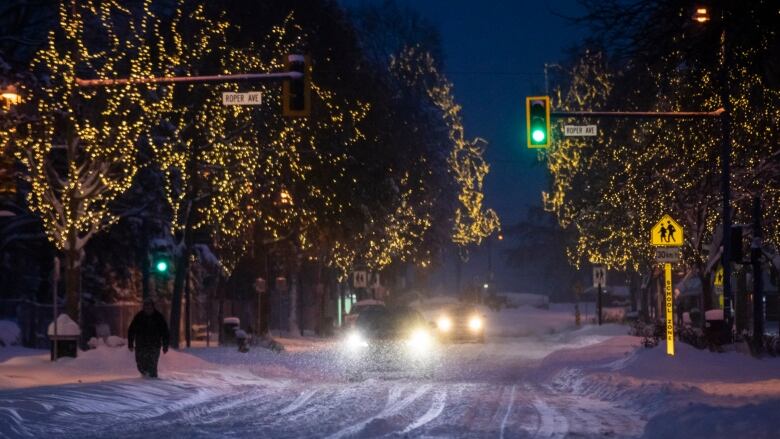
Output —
(719, 276)
(666, 233)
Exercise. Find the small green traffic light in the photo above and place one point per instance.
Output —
(537, 117)
(162, 267)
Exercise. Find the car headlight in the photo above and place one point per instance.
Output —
(444, 324)
(420, 339)
(356, 341)
(475, 323)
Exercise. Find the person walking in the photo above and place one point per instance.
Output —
(148, 333)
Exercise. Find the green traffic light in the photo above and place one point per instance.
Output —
(162, 266)
(538, 121)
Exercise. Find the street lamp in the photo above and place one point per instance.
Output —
(701, 15)
(10, 95)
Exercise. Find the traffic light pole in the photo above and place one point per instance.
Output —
(720, 112)
(723, 114)
(189, 79)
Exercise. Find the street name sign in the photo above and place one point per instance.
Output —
(248, 98)
(667, 254)
(580, 130)
(666, 233)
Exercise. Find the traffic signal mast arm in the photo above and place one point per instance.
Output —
(186, 79)
(639, 114)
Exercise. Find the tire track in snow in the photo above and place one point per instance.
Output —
(508, 410)
(437, 407)
(299, 401)
(394, 405)
(551, 423)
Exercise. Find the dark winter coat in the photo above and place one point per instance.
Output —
(148, 331)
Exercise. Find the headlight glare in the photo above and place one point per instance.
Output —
(355, 341)
(444, 324)
(475, 323)
(420, 339)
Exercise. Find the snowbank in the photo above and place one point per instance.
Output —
(9, 333)
(691, 365)
(705, 421)
(96, 365)
(525, 299)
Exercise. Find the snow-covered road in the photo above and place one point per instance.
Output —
(491, 390)
(537, 376)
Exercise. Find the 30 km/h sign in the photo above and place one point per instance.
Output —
(666, 233)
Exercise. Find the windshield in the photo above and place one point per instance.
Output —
(383, 323)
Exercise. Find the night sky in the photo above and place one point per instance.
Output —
(495, 53)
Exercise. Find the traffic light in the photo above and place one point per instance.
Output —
(296, 92)
(537, 118)
(161, 266)
(161, 263)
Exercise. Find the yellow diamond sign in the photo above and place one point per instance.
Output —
(719, 276)
(666, 233)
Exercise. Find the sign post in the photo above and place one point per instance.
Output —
(599, 281)
(669, 296)
(667, 237)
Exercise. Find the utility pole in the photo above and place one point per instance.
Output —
(758, 287)
(725, 160)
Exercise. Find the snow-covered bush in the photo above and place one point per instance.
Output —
(9, 333)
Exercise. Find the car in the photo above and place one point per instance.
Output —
(359, 307)
(461, 323)
(389, 340)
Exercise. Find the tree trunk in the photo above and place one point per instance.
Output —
(265, 298)
(188, 309)
(73, 284)
(143, 261)
(292, 322)
(220, 312)
(182, 270)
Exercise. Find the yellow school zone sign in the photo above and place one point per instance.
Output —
(666, 233)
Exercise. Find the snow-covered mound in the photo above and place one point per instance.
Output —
(95, 365)
(65, 326)
(525, 299)
(693, 365)
(9, 333)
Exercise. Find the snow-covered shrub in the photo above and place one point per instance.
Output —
(651, 332)
(9, 333)
(113, 341)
